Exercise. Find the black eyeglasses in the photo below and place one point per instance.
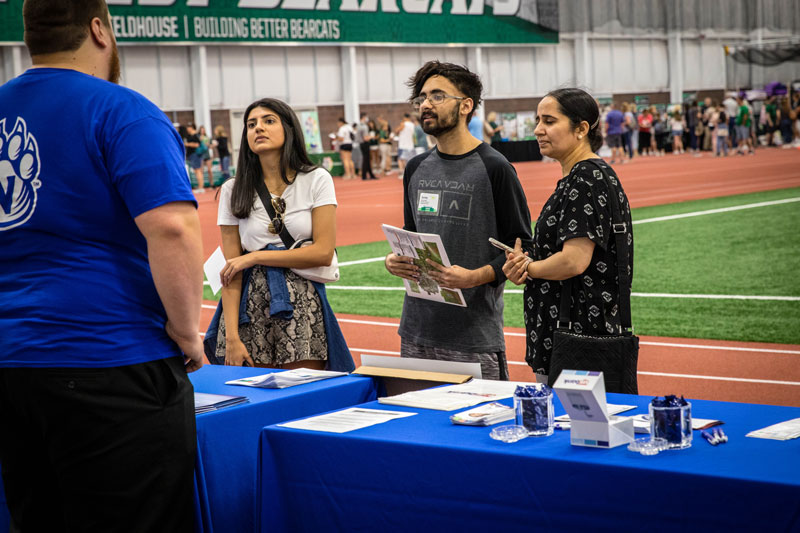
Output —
(276, 225)
(434, 99)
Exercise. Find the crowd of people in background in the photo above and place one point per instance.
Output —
(735, 125)
(201, 150)
(368, 145)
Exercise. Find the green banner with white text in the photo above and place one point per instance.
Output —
(427, 22)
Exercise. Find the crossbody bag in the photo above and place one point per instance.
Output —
(321, 274)
(616, 355)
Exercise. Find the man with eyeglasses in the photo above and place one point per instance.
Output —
(465, 192)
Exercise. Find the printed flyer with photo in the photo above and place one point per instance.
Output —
(423, 246)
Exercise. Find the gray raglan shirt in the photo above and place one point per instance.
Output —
(477, 195)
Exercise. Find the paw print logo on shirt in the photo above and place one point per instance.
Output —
(19, 174)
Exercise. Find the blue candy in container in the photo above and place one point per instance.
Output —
(533, 405)
(671, 420)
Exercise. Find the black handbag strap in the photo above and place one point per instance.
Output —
(619, 229)
(266, 199)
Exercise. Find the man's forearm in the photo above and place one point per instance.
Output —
(483, 275)
(176, 262)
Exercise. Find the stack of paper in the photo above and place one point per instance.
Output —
(288, 378)
(204, 402)
(484, 415)
(452, 397)
(782, 431)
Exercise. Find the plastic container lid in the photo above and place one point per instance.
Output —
(647, 446)
(509, 433)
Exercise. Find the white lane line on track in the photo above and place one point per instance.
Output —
(715, 211)
(642, 343)
(648, 343)
(719, 378)
(712, 347)
(717, 296)
(362, 261)
(643, 373)
(635, 294)
(368, 322)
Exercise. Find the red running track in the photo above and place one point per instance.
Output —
(715, 370)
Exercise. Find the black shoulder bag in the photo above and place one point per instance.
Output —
(617, 355)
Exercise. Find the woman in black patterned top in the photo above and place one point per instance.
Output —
(573, 236)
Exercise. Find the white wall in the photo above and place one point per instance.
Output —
(703, 64)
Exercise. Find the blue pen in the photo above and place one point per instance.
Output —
(712, 440)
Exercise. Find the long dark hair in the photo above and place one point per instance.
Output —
(248, 169)
(578, 106)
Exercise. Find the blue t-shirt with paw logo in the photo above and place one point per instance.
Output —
(80, 158)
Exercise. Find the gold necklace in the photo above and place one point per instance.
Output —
(282, 185)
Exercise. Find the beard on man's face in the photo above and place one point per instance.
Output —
(114, 72)
(441, 124)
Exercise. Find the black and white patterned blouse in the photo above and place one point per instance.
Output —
(579, 207)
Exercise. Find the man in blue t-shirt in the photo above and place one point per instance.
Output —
(614, 121)
(100, 285)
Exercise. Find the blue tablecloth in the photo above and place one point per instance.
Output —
(422, 473)
(227, 440)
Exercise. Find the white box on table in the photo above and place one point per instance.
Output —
(583, 395)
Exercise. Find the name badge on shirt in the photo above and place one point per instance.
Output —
(428, 202)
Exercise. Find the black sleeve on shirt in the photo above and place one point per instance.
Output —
(510, 206)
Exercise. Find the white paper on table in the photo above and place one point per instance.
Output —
(787, 430)
(287, 378)
(346, 420)
(487, 414)
(612, 409)
(212, 267)
(452, 397)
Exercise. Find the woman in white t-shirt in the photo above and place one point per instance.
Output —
(676, 125)
(345, 137)
(285, 323)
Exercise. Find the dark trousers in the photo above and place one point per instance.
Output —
(366, 163)
(98, 449)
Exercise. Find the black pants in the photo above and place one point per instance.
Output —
(98, 449)
(366, 163)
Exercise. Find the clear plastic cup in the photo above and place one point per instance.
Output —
(673, 424)
(535, 414)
